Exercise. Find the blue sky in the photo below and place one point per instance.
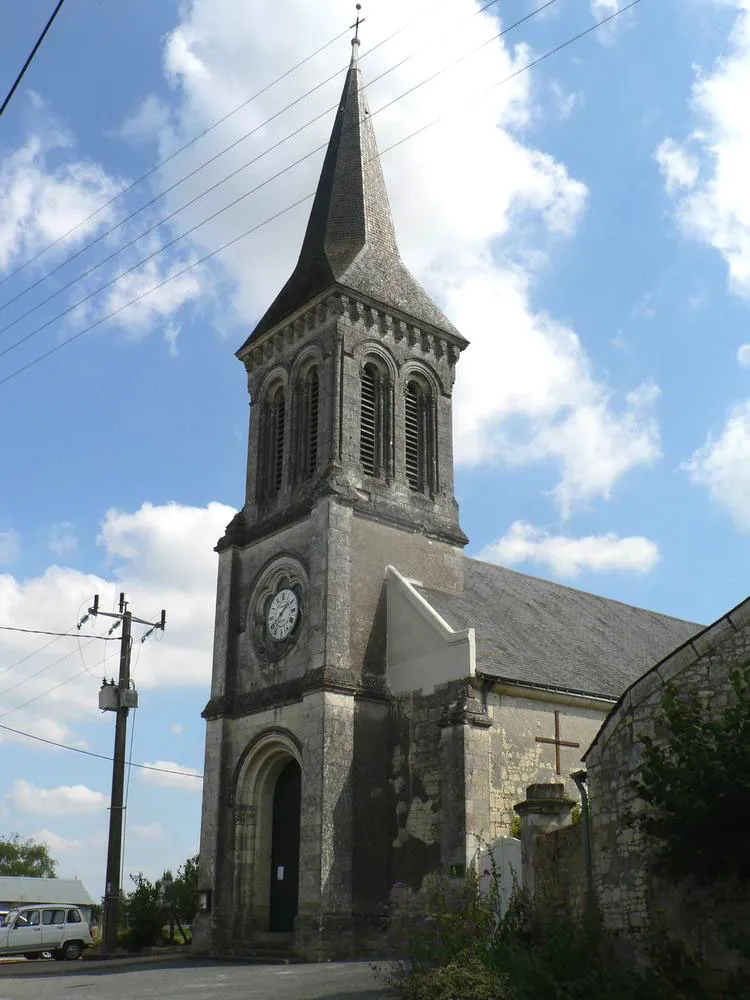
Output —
(586, 226)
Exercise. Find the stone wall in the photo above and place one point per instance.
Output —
(560, 875)
(629, 896)
(627, 893)
(517, 760)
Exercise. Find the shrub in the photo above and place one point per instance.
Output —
(696, 782)
(465, 978)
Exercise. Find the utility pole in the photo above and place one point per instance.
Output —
(119, 699)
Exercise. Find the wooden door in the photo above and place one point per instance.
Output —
(285, 849)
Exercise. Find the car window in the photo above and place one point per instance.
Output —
(74, 917)
(34, 918)
(53, 917)
(22, 920)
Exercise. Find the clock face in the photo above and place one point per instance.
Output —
(282, 616)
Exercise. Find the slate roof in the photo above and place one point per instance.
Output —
(350, 239)
(536, 632)
(20, 889)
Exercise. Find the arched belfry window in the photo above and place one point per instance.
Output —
(271, 439)
(306, 436)
(420, 436)
(376, 421)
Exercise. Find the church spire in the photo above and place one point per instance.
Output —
(350, 239)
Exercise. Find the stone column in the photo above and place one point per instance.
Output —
(465, 766)
(323, 928)
(545, 809)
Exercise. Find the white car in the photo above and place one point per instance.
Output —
(33, 931)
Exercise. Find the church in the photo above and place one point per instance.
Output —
(379, 700)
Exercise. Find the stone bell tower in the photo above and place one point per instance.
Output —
(350, 469)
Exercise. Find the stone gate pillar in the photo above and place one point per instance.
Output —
(545, 809)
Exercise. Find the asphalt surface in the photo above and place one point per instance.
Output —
(191, 978)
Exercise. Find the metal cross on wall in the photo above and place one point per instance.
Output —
(557, 742)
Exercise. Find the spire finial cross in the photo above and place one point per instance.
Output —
(360, 20)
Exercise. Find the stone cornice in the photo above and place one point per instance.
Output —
(288, 692)
(387, 323)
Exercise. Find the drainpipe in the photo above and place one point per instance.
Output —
(580, 779)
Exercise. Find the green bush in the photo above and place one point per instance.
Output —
(145, 914)
(696, 782)
(461, 948)
(465, 978)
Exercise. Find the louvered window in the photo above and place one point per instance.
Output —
(310, 457)
(368, 422)
(279, 406)
(271, 439)
(415, 437)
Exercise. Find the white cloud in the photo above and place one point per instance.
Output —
(162, 557)
(150, 118)
(716, 210)
(148, 831)
(62, 539)
(680, 168)
(41, 203)
(723, 466)
(177, 729)
(164, 780)
(10, 546)
(171, 291)
(57, 844)
(565, 556)
(565, 102)
(743, 355)
(61, 801)
(461, 240)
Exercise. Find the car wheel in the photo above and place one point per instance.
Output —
(72, 950)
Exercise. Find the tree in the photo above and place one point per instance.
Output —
(144, 912)
(24, 856)
(186, 890)
(696, 782)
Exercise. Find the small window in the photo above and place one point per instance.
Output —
(53, 917)
(74, 917)
(35, 918)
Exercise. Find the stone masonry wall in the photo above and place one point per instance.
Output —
(627, 893)
(517, 760)
(559, 869)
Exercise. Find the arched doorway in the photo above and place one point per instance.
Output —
(285, 849)
(267, 835)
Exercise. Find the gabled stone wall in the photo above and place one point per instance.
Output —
(629, 896)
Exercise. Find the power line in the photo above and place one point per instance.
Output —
(284, 211)
(43, 694)
(49, 666)
(167, 159)
(60, 635)
(239, 198)
(200, 135)
(33, 52)
(99, 756)
(234, 173)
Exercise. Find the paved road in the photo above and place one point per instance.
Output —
(193, 980)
